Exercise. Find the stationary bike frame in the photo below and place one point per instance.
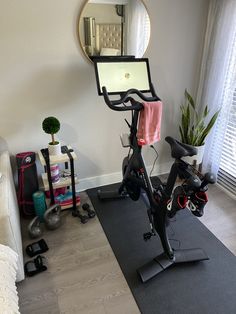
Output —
(157, 203)
(134, 172)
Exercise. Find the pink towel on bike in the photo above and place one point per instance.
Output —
(149, 126)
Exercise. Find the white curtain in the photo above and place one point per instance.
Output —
(218, 74)
(138, 28)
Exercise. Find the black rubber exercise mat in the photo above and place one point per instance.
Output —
(207, 287)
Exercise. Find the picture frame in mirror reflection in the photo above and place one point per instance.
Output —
(114, 28)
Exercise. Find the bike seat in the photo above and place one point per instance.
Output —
(179, 149)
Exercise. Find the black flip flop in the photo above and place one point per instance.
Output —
(36, 248)
(36, 266)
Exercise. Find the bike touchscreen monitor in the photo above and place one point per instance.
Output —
(121, 74)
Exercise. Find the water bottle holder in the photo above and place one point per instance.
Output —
(125, 140)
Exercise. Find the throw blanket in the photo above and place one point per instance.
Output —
(149, 126)
(8, 292)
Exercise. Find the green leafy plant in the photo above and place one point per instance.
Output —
(193, 128)
(51, 125)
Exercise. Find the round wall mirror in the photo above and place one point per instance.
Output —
(114, 28)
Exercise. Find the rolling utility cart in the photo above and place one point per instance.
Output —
(67, 157)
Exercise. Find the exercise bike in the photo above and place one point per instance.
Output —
(164, 199)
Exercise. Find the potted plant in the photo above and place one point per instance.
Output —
(51, 125)
(194, 128)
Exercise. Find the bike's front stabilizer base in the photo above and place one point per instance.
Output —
(162, 262)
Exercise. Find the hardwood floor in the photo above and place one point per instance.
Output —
(83, 275)
(220, 217)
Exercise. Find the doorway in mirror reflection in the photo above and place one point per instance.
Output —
(114, 28)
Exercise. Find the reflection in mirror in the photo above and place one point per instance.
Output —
(114, 27)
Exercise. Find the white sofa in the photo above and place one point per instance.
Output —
(10, 232)
(8, 292)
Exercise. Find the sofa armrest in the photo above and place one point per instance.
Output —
(10, 231)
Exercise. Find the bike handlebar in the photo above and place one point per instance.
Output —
(135, 105)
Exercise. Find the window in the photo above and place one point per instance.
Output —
(217, 88)
(227, 171)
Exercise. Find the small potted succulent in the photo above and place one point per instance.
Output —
(51, 125)
(195, 126)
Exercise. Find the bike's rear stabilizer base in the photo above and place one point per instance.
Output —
(162, 262)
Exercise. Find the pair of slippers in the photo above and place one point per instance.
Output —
(38, 264)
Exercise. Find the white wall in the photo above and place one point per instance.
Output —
(43, 72)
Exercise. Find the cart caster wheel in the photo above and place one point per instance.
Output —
(74, 213)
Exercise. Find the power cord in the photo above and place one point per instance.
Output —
(157, 155)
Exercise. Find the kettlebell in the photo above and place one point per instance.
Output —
(52, 217)
(34, 228)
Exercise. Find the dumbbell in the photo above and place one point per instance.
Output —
(83, 218)
(91, 213)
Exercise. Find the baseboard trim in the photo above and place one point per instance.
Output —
(226, 191)
(93, 182)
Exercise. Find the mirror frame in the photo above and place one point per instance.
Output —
(78, 35)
